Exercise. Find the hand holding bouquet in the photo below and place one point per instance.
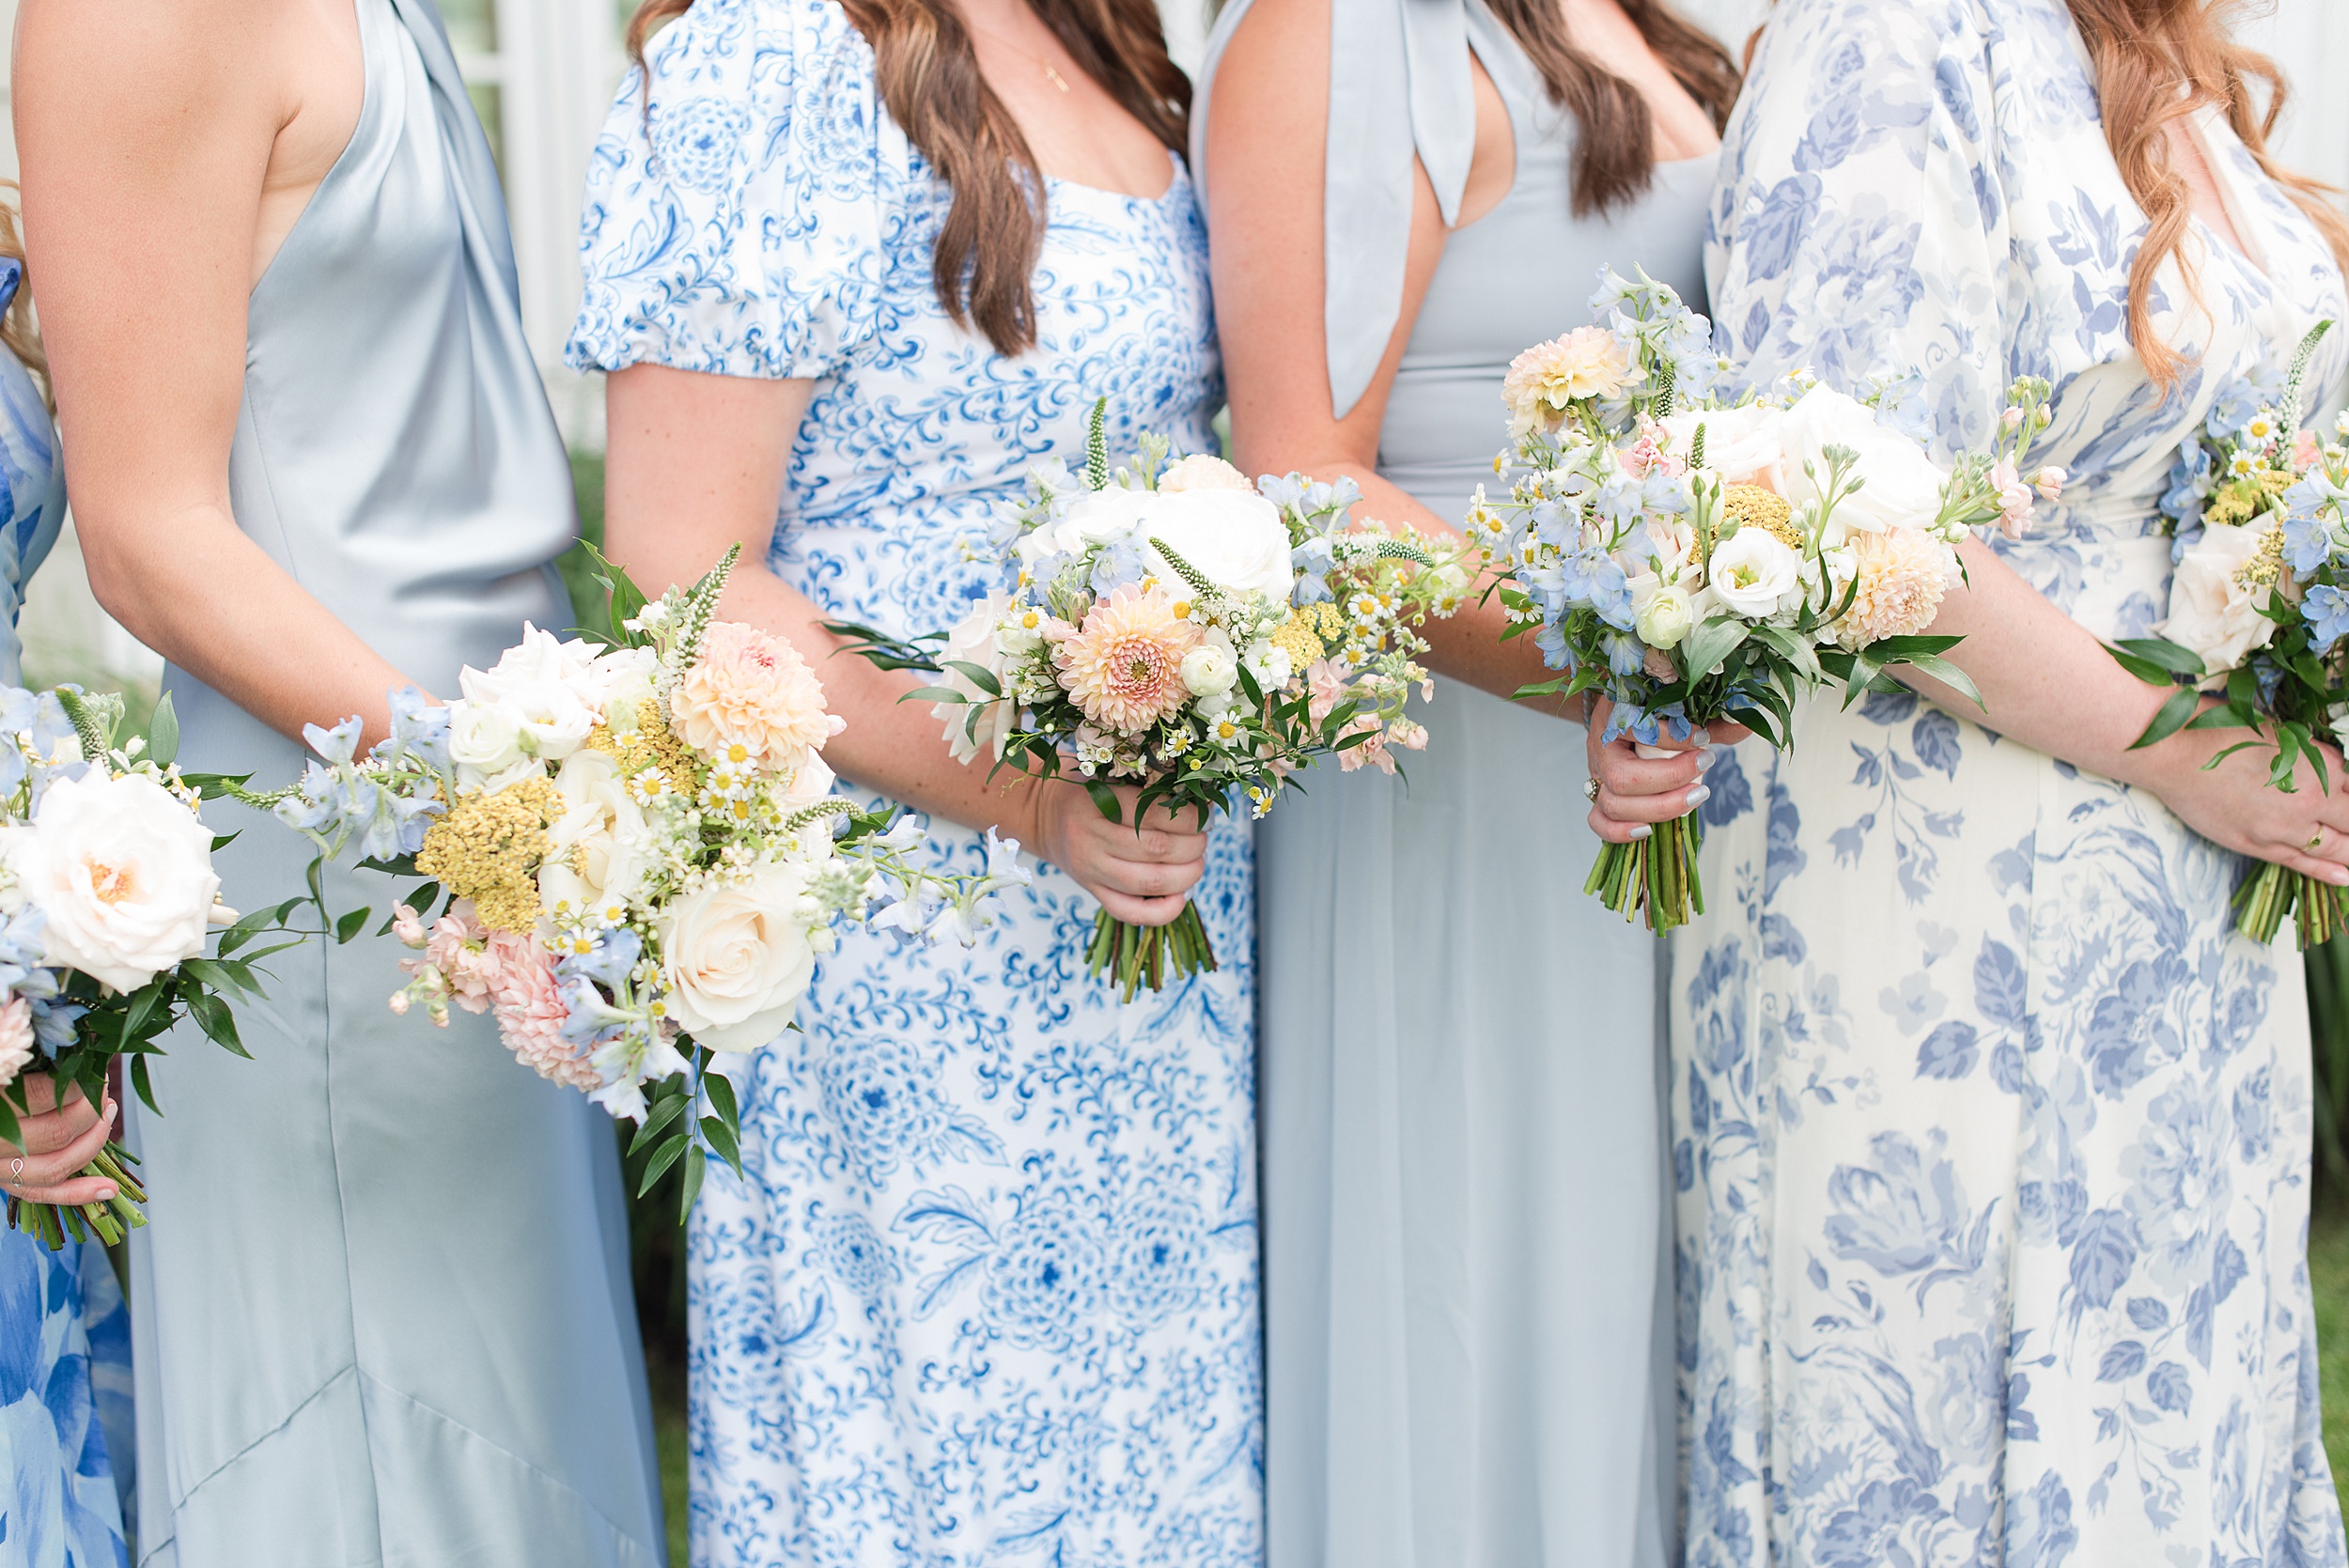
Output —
(641, 854)
(1693, 561)
(1175, 626)
(108, 900)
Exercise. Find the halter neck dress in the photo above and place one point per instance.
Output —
(1466, 1309)
(381, 1308)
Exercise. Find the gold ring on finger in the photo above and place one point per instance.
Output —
(2316, 839)
(1590, 790)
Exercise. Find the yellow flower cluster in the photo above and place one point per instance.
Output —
(1300, 636)
(1751, 506)
(653, 746)
(488, 849)
(2266, 565)
(2237, 502)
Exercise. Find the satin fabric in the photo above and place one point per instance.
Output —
(1468, 1341)
(382, 1309)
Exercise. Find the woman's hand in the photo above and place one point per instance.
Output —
(1142, 878)
(1634, 792)
(58, 1141)
(2234, 806)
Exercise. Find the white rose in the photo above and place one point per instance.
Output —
(737, 959)
(1742, 446)
(1098, 518)
(484, 741)
(123, 873)
(1209, 670)
(1200, 471)
(1904, 485)
(540, 659)
(2209, 610)
(631, 680)
(1666, 618)
(811, 784)
(1235, 538)
(598, 842)
(1754, 574)
(974, 642)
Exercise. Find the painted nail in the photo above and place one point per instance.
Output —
(1706, 758)
(1697, 797)
(1642, 830)
(1701, 738)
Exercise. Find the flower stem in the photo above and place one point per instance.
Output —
(1136, 956)
(1656, 875)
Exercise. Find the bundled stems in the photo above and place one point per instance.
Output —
(1139, 955)
(1656, 875)
(110, 1221)
(2272, 893)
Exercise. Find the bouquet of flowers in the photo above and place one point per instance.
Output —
(1693, 561)
(1173, 626)
(108, 902)
(2260, 510)
(640, 853)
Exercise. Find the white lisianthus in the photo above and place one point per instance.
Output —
(974, 642)
(1742, 446)
(1665, 619)
(1270, 664)
(2210, 612)
(599, 844)
(1235, 538)
(737, 958)
(1904, 485)
(484, 741)
(1201, 472)
(1209, 670)
(1754, 574)
(122, 871)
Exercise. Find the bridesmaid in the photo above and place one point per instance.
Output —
(1468, 1333)
(989, 1289)
(1994, 1132)
(381, 1309)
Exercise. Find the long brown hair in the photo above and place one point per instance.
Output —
(1614, 157)
(928, 74)
(2145, 51)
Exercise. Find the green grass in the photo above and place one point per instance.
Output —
(667, 1366)
(2329, 1272)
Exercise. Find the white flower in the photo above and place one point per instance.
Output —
(811, 784)
(1020, 632)
(629, 678)
(1755, 574)
(1904, 485)
(1742, 446)
(1666, 618)
(16, 1038)
(2210, 613)
(600, 844)
(974, 642)
(484, 741)
(1209, 670)
(1200, 471)
(1269, 664)
(123, 873)
(550, 687)
(737, 959)
(1096, 517)
(1235, 538)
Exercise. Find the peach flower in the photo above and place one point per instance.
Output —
(1588, 362)
(1903, 574)
(16, 1039)
(752, 691)
(1124, 667)
(530, 1011)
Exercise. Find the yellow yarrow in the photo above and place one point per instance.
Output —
(653, 747)
(2239, 501)
(1751, 505)
(488, 849)
(1298, 640)
(2266, 566)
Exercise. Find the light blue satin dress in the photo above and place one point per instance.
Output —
(382, 1308)
(1467, 1326)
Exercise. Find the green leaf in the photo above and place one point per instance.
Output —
(977, 675)
(2168, 654)
(350, 925)
(219, 1025)
(720, 1094)
(1712, 642)
(663, 1158)
(162, 733)
(695, 1165)
(1948, 674)
(2144, 668)
(666, 1109)
(139, 1082)
(722, 1138)
(1105, 799)
(2172, 718)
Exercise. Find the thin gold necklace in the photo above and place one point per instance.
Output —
(1038, 61)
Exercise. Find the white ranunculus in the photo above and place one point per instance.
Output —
(1235, 538)
(974, 642)
(123, 873)
(599, 843)
(2209, 610)
(1754, 574)
(737, 959)
(484, 741)
(1666, 618)
(1201, 472)
(810, 784)
(1904, 484)
(1742, 446)
(1209, 670)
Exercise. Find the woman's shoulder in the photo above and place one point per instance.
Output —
(1894, 35)
(754, 48)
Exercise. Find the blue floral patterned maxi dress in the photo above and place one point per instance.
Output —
(989, 1292)
(1992, 1136)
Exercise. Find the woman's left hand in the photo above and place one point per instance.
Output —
(58, 1141)
(1634, 792)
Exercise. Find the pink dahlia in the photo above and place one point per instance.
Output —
(751, 690)
(531, 1013)
(1124, 667)
(1903, 575)
(16, 1039)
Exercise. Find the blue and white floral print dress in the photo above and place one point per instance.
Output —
(1992, 1136)
(989, 1292)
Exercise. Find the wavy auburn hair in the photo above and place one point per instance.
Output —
(1614, 158)
(928, 74)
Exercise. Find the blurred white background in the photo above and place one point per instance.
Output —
(543, 71)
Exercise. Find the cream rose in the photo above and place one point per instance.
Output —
(597, 855)
(973, 641)
(737, 959)
(1666, 618)
(484, 741)
(123, 873)
(1742, 446)
(2210, 612)
(548, 686)
(1200, 471)
(1904, 485)
(1209, 670)
(1235, 538)
(1754, 574)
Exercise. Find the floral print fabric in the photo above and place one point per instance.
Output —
(58, 1508)
(1990, 1134)
(989, 1292)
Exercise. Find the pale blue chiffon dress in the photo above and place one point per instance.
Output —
(382, 1308)
(1466, 1339)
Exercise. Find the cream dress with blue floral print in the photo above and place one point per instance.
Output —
(989, 1292)
(1992, 1136)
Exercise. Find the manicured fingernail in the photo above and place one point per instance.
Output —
(1698, 796)
(1643, 830)
(1706, 758)
(1701, 738)
(105, 1194)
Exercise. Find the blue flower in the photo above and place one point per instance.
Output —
(419, 730)
(848, 1245)
(2327, 612)
(2308, 542)
(1897, 1215)
(1045, 1279)
(1158, 1251)
(337, 745)
(2237, 404)
(883, 1095)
